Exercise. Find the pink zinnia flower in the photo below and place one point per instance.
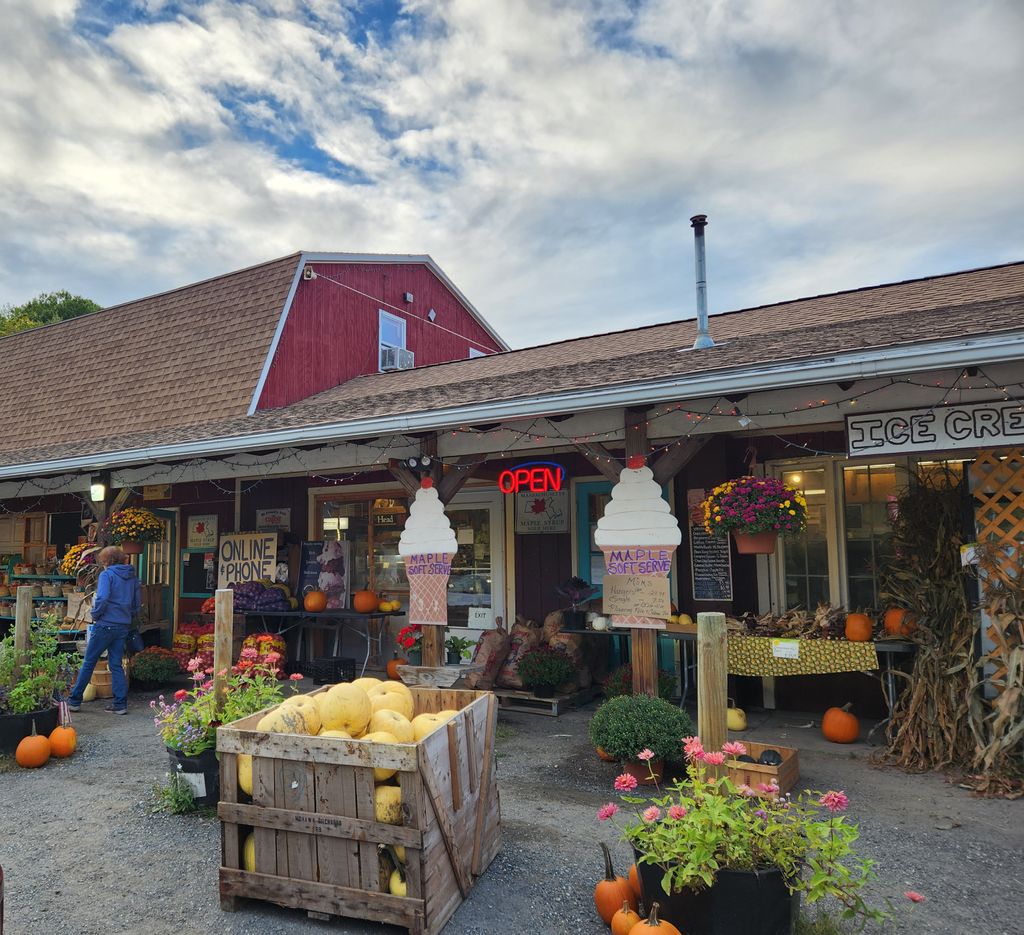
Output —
(693, 748)
(645, 754)
(625, 783)
(915, 897)
(606, 811)
(834, 801)
(651, 814)
(714, 759)
(744, 789)
(676, 812)
(249, 653)
(194, 664)
(296, 676)
(180, 694)
(733, 748)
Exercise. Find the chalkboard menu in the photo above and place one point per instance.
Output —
(710, 565)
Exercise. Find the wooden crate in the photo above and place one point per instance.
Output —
(312, 810)
(528, 703)
(754, 774)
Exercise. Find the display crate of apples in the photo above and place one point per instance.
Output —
(367, 800)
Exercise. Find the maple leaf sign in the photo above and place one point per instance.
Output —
(539, 505)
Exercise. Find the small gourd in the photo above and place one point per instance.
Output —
(33, 751)
(624, 920)
(735, 718)
(653, 924)
(90, 692)
(63, 741)
(364, 602)
(745, 758)
(770, 758)
(314, 602)
(393, 665)
(634, 882)
(898, 622)
(839, 725)
(611, 892)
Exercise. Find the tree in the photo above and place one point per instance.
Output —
(44, 309)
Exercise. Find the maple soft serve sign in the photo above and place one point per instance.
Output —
(638, 536)
(428, 546)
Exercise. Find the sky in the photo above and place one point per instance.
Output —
(548, 155)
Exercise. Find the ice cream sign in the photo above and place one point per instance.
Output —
(428, 545)
(638, 535)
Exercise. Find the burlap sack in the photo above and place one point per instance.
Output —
(553, 624)
(490, 652)
(525, 635)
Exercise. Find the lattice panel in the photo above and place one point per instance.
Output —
(998, 482)
(998, 486)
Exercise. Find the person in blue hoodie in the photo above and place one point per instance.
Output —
(117, 600)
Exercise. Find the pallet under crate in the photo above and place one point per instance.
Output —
(528, 703)
(316, 836)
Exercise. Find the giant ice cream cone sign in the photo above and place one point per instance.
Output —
(428, 545)
(637, 535)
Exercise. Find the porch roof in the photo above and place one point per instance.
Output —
(877, 322)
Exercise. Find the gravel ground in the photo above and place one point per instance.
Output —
(83, 830)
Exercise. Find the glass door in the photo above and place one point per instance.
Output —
(477, 579)
(807, 570)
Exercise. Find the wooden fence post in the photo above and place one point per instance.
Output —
(432, 645)
(712, 681)
(643, 648)
(22, 629)
(223, 637)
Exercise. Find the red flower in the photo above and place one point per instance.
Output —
(180, 694)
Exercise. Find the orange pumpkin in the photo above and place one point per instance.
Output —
(63, 741)
(611, 892)
(33, 751)
(605, 755)
(624, 920)
(314, 602)
(634, 882)
(840, 726)
(393, 665)
(898, 622)
(653, 924)
(365, 602)
(858, 628)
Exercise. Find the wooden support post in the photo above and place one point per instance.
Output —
(432, 646)
(601, 458)
(22, 629)
(712, 681)
(677, 457)
(644, 649)
(457, 475)
(401, 473)
(223, 637)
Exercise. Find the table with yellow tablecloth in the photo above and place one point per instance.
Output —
(764, 656)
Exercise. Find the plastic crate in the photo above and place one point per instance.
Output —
(329, 670)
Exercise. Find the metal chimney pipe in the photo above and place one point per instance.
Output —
(698, 222)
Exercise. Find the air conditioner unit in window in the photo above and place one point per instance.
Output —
(396, 358)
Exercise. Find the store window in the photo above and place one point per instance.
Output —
(392, 334)
(869, 497)
(471, 585)
(805, 558)
(373, 526)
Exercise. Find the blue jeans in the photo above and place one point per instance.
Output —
(111, 639)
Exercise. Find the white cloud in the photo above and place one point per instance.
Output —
(547, 155)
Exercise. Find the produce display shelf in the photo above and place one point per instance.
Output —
(49, 598)
(44, 577)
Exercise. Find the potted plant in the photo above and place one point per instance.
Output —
(188, 724)
(620, 682)
(543, 669)
(153, 667)
(578, 593)
(625, 726)
(31, 684)
(723, 859)
(409, 641)
(131, 527)
(458, 647)
(755, 510)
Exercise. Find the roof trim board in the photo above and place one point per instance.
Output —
(276, 339)
(879, 362)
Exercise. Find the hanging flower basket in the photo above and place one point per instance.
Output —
(756, 510)
(131, 527)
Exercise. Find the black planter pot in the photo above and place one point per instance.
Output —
(574, 619)
(202, 772)
(454, 657)
(754, 902)
(15, 727)
(544, 691)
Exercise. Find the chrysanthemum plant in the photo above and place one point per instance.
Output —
(702, 824)
(753, 505)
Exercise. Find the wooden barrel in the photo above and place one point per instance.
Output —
(101, 680)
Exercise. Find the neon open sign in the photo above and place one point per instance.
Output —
(532, 477)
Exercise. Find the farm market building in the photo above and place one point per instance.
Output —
(293, 395)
